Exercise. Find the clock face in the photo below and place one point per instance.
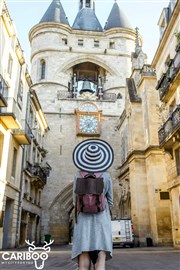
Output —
(88, 124)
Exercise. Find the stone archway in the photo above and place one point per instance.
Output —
(60, 213)
(92, 59)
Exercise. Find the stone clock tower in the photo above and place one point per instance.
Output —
(79, 73)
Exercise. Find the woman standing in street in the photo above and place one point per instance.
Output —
(92, 238)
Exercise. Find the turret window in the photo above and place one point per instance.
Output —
(65, 41)
(43, 69)
(111, 44)
(96, 43)
(80, 42)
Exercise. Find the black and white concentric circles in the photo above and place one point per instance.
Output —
(93, 155)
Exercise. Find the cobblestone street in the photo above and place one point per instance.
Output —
(123, 259)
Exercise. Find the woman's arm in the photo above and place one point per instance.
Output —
(109, 194)
(74, 187)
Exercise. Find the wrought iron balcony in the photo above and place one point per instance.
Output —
(147, 70)
(3, 92)
(170, 129)
(38, 172)
(167, 78)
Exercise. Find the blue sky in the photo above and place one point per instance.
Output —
(141, 13)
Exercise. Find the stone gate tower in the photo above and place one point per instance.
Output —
(79, 73)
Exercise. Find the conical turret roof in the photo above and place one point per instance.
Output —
(86, 20)
(55, 13)
(117, 18)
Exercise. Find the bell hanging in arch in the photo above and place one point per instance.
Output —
(86, 87)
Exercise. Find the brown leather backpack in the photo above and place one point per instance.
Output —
(90, 197)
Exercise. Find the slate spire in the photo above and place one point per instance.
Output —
(55, 13)
(117, 18)
(86, 18)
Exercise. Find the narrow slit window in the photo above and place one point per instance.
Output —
(60, 152)
(111, 44)
(13, 172)
(177, 158)
(20, 95)
(43, 69)
(65, 41)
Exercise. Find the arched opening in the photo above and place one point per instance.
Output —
(61, 216)
(88, 78)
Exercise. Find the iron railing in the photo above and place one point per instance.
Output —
(105, 96)
(171, 124)
(167, 78)
(147, 70)
(38, 170)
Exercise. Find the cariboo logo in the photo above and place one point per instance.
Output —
(42, 255)
(37, 254)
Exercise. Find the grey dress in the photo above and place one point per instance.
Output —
(93, 231)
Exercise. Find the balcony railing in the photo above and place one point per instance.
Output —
(39, 171)
(168, 77)
(171, 125)
(105, 96)
(3, 92)
(147, 70)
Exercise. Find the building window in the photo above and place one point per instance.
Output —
(20, 94)
(60, 152)
(65, 41)
(43, 69)
(34, 155)
(26, 186)
(177, 157)
(13, 172)
(39, 198)
(111, 44)
(96, 43)
(1, 145)
(30, 120)
(164, 195)
(10, 64)
(80, 42)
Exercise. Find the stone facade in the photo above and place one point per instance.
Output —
(66, 59)
(35, 174)
(17, 103)
(150, 157)
(102, 68)
(14, 89)
(167, 64)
